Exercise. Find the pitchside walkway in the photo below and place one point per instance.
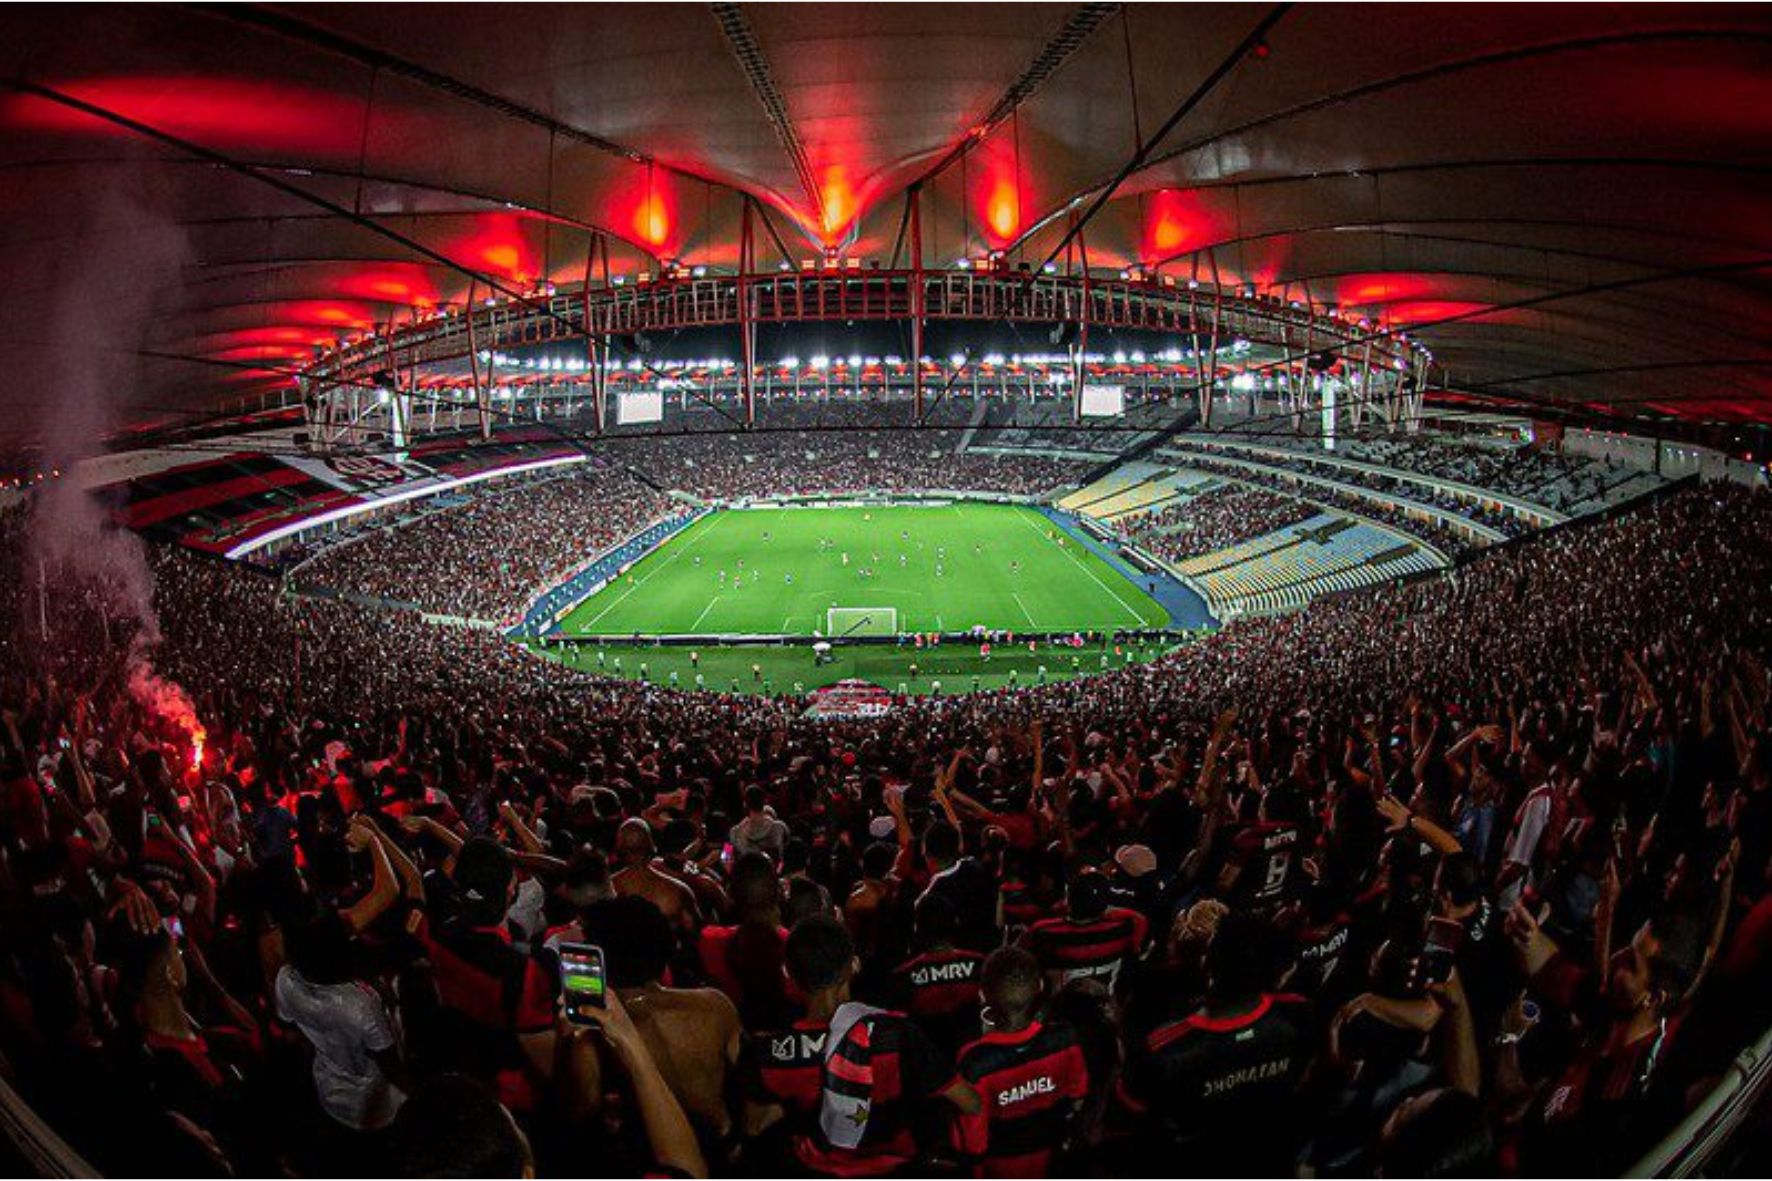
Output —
(1186, 608)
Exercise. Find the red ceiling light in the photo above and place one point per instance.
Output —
(1003, 210)
(837, 198)
(1175, 222)
(652, 221)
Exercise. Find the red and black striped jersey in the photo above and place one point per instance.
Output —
(939, 983)
(1030, 1081)
(880, 1068)
(1097, 947)
(1021, 904)
(493, 995)
(787, 1066)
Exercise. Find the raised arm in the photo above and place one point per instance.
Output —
(1398, 816)
(384, 888)
(668, 1130)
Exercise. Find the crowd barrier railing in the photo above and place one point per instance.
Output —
(1690, 1149)
(44, 1151)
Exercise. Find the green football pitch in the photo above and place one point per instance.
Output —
(933, 567)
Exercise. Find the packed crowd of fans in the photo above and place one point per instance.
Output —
(789, 462)
(484, 557)
(1459, 878)
(1566, 482)
(489, 554)
(1311, 468)
(1556, 479)
(1440, 536)
(1216, 519)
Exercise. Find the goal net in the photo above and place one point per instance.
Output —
(861, 621)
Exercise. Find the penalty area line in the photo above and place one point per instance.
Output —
(1084, 567)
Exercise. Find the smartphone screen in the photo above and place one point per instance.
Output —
(581, 980)
(1444, 934)
(1441, 952)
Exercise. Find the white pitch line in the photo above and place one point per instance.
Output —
(619, 599)
(1084, 566)
(704, 612)
(1016, 595)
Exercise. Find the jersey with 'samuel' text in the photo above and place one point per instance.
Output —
(1030, 1080)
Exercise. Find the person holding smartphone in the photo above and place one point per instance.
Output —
(693, 1033)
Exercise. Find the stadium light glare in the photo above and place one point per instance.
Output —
(957, 360)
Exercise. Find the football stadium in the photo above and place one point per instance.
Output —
(886, 590)
(824, 574)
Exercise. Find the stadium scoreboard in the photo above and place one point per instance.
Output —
(1103, 401)
(639, 406)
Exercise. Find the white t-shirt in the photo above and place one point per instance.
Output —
(760, 834)
(1533, 818)
(347, 1024)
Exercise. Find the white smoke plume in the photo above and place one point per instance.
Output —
(106, 279)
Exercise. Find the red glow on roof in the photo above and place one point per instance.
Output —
(333, 316)
(837, 196)
(391, 282)
(1421, 311)
(1002, 210)
(648, 208)
(265, 352)
(497, 244)
(1377, 289)
(277, 334)
(1175, 221)
(652, 221)
(216, 111)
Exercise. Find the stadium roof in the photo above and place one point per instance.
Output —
(1569, 202)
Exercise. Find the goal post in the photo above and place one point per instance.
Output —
(861, 621)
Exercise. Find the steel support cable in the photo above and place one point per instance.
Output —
(265, 176)
(1714, 270)
(1243, 48)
